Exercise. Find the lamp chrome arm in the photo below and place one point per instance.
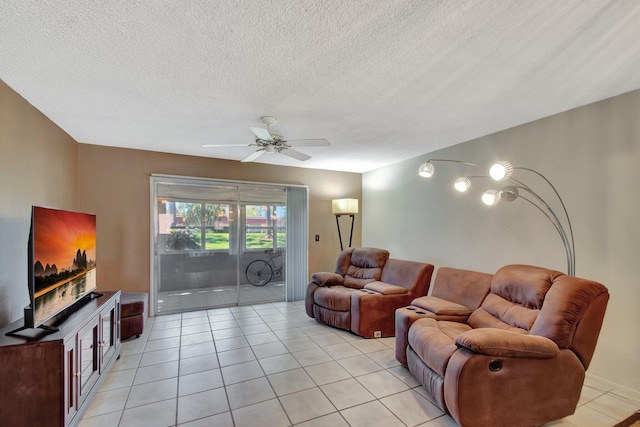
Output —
(564, 208)
(427, 169)
(511, 193)
(504, 170)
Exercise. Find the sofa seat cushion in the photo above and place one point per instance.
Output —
(435, 341)
(386, 288)
(336, 298)
(441, 306)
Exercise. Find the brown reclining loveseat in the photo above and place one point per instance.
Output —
(518, 359)
(365, 290)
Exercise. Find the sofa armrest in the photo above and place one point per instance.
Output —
(441, 306)
(386, 288)
(501, 343)
(327, 279)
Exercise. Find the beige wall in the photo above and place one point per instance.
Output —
(114, 184)
(38, 166)
(591, 154)
(42, 165)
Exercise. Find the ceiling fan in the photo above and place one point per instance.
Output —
(268, 142)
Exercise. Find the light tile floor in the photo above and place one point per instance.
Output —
(271, 365)
(219, 296)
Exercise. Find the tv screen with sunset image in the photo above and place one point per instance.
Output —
(63, 260)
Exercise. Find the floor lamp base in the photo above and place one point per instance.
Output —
(353, 217)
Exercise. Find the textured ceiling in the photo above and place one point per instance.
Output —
(382, 80)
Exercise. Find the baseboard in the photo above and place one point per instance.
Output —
(611, 384)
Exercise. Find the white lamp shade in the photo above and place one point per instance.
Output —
(501, 170)
(490, 197)
(462, 184)
(426, 169)
(344, 206)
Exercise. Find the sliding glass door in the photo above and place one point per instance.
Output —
(217, 244)
(263, 244)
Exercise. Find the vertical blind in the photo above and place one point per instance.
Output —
(297, 243)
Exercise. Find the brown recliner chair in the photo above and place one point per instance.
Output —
(455, 294)
(520, 358)
(365, 290)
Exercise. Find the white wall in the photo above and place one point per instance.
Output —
(592, 156)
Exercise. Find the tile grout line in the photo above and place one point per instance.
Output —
(309, 331)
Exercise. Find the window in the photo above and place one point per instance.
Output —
(265, 227)
(194, 225)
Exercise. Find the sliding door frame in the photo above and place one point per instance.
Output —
(296, 269)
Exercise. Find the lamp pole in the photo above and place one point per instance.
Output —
(339, 234)
(344, 207)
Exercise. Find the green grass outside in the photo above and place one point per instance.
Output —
(216, 241)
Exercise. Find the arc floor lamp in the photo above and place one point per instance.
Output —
(503, 172)
(341, 207)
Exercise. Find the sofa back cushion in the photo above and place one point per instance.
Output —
(465, 287)
(516, 297)
(566, 309)
(414, 276)
(360, 266)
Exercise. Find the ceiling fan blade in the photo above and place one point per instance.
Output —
(261, 133)
(309, 143)
(251, 157)
(223, 145)
(295, 154)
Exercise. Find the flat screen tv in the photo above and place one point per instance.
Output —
(62, 263)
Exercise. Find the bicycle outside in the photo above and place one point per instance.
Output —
(260, 272)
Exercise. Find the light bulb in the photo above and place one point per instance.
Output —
(462, 184)
(490, 197)
(501, 170)
(426, 169)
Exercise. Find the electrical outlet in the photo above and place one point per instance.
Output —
(377, 334)
(317, 237)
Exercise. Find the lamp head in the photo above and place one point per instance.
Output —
(490, 197)
(344, 206)
(462, 184)
(501, 170)
(426, 169)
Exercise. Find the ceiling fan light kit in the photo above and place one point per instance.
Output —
(268, 142)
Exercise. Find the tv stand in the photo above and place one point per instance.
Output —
(47, 328)
(29, 315)
(49, 378)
